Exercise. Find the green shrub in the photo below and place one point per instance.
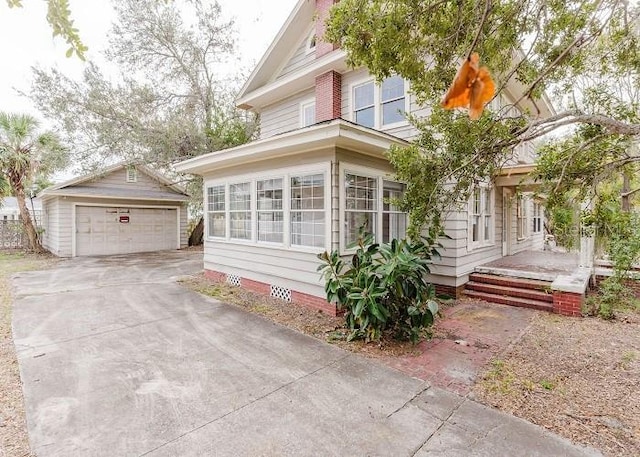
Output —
(383, 288)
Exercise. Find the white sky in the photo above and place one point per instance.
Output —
(26, 39)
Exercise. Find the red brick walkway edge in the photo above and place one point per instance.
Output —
(310, 301)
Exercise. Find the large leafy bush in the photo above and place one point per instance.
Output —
(383, 288)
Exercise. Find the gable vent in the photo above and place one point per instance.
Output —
(132, 174)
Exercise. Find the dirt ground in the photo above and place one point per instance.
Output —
(579, 377)
(13, 432)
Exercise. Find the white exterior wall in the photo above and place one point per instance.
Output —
(51, 232)
(299, 59)
(290, 267)
(284, 116)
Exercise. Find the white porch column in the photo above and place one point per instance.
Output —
(587, 242)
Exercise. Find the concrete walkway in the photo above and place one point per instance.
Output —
(119, 360)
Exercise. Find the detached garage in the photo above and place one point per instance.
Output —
(125, 209)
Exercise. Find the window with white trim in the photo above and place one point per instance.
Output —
(394, 221)
(289, 210)
(481, 217)
(521, 214)
(307, 114)
(361, 206)
(369, 204)
(307, 210)
(378, 106)
(537, 217)
(311, 42)
(240, 211)
(216, 214)
(269, 194)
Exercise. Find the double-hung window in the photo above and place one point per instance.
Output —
(361, 206)
(240, 211)
(394, 221)
(269, 194)
(537, 217)
(521, 214)
(216, 211)
(370, 205)
(307, 114)
(307, 210)
(481, 215)
(377, 106)
(364, 110)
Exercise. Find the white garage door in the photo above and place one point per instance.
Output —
(121, 230)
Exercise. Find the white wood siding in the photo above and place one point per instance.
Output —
(117, 180)
(283, 116)
(50, 237)
(298, 60)
(266, 264)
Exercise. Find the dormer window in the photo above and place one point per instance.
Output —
(311, 42)
(132, 174)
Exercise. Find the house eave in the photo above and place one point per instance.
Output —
(293, 83)
(49, 195)
(337, 133)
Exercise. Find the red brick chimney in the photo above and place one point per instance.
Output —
(328, 96)
(322, 12)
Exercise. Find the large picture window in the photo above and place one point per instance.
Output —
(307, 210)
(216, 211)
(270, 212)
(377, 106)
(240, 211)
(286, 210)
(481, 216)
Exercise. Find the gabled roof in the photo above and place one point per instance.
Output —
(74, 186)
(334, 133)
(282, 46)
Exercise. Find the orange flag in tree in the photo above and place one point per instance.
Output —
(472, 87)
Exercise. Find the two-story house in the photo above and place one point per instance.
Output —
(318, 172)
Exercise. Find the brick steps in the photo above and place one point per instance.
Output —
(512, 301)
(507, 290)
(510, 281)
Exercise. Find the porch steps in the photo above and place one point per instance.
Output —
(508, 290)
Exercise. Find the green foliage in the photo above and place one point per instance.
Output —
(533, 45)
(26, 155)
(383, 288)
(623, 248)
(563, 223)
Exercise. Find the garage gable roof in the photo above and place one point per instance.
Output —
(89, 186)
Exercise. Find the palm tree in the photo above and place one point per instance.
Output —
(25, 153)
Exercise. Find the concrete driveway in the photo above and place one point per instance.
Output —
(119, 360)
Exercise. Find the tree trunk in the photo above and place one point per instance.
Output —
(626, 187)
(32, 234)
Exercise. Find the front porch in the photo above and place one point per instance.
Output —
(543, 280)
(533, 264)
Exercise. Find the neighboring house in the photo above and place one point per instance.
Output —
(318, 172)
(123, 209)
(9, 210)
